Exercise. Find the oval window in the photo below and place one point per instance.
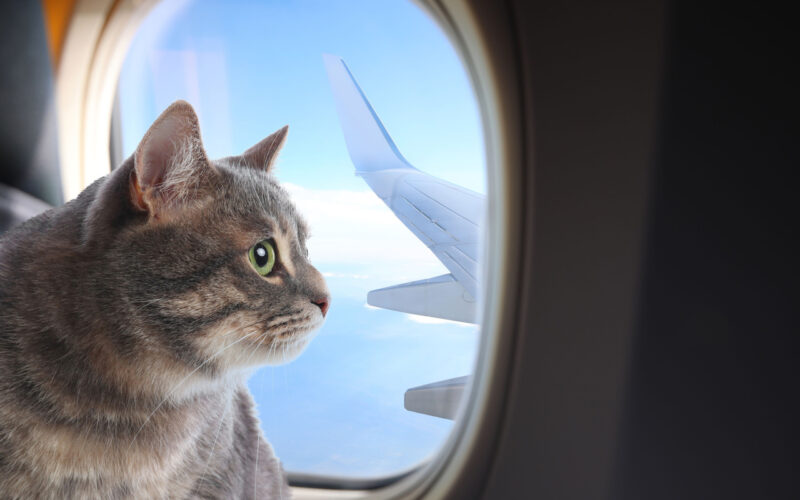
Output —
(385, 159)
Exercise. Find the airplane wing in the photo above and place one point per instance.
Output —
(442, 215)
(439, 399)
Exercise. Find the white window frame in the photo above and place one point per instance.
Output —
(96, 42)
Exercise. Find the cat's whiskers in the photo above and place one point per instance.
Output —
(141, 304)
(266, 322)
(214, 443)
(285, 347)
(258, 444)
(271, 351)
(287, 324)
(184, 379)
(222, 420)
(271, 322)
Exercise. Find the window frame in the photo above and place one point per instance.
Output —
(482, 34)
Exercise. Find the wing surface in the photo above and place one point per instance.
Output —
(443, 215)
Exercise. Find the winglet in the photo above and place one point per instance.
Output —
(370, 146)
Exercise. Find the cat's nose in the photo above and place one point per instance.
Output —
(323, 304)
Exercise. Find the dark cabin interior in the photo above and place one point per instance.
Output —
(710, 404)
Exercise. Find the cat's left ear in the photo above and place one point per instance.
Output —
(170, 165)
(262, 155)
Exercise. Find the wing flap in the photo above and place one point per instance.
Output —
(439, 399)
(439, 297)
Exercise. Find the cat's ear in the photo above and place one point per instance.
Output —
(262, 155)
(170, 164)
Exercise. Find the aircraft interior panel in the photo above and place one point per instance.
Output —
(637, 276)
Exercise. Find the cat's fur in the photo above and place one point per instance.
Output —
(127, 319)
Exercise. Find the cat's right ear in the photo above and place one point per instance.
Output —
(170, 164)
(262, 156)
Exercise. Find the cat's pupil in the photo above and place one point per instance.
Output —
(261, 255)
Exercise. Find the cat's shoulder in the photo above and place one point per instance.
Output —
(63, 223)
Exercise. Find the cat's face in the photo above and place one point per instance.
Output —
(276, 297)
(216, 272)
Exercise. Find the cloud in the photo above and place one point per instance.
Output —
(428, 320)
(354, 230)
(353, 276)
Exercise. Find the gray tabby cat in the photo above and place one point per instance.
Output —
(128, 318)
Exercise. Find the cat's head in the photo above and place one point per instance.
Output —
(210, 265)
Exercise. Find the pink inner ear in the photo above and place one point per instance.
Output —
(157, 150)
(173, 133)
(162, 173)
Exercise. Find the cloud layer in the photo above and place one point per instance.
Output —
(353, 233)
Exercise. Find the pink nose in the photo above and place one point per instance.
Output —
(322, 304)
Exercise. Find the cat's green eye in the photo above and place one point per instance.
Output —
(262, 257)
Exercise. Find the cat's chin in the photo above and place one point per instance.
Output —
(288, 351)
(288, 345)
(241, 343)
(273, 350)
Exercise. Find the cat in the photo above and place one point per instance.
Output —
(130, 316)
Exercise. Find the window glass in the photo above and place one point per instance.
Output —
(250, 67)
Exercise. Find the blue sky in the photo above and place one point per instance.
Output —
(251, 67)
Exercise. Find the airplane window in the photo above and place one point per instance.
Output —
(385, 158)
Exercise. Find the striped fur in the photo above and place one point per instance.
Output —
(129, 318)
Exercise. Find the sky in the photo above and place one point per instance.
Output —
(250, 67)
